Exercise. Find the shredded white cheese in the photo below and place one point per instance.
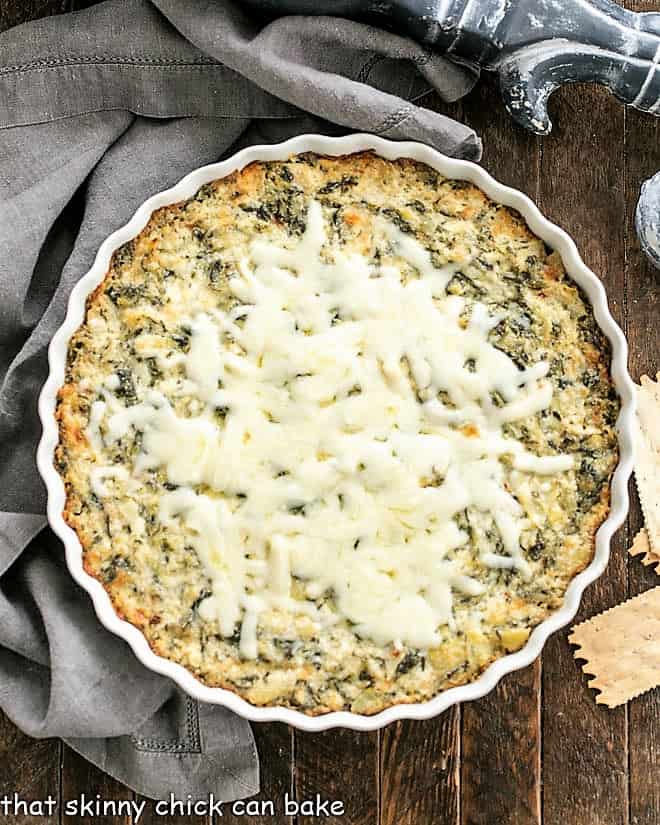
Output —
(337, 462)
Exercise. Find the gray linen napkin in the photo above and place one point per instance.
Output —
(99, 110)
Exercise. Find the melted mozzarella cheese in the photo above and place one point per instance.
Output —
(337, 463)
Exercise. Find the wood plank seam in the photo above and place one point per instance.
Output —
(539, 706)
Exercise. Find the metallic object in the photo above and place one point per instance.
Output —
(534, 46)
(647, 219)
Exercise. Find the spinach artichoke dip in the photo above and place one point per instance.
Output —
(336, 433)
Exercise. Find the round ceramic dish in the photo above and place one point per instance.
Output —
(448, 167)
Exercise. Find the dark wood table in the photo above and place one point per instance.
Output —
(538, 749)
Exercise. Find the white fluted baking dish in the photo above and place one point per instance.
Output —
(448, 167)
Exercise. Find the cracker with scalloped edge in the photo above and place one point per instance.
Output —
(621, 648)
(647, 457)
(641, 547)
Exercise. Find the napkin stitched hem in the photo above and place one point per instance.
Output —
(191, 743)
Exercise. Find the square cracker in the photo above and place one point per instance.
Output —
(647, 457)
(622, 648)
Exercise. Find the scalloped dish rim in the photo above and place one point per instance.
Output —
(450, 168)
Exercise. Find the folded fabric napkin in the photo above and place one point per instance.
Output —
(99, 110)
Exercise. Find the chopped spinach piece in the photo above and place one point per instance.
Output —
(411, 660)
(111, 570)
(126, 388)
(202, 596)
(217, 275)
(127, 295)
(462, 284)
(124, 255)
(205, 191)
(342, 185)
(590, 378)
(397, 219)
(155, 372)
(182, 339)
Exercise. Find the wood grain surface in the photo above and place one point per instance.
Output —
(537, 749)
